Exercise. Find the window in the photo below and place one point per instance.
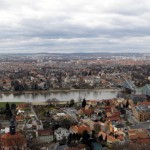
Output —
(140, 115)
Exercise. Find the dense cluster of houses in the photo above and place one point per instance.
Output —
(105, 123)
(70, 74)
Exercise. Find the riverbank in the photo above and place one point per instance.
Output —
(49, 91)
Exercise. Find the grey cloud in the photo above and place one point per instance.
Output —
(80, 26)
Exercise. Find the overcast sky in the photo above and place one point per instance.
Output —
(74, 26)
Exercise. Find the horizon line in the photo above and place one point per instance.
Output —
(76, 53)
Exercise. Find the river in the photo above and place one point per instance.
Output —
(60, 95)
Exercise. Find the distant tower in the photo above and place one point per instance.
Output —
(12, 127)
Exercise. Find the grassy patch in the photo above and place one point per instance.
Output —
(3, 104)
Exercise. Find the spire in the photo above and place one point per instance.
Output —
(12, 127)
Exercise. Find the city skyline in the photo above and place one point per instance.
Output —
(80, 26)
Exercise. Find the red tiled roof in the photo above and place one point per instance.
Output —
(131, 131)
(120, 137)
(108, 107)
(142, 141)
(111, 138)
(80, 128)
(113, 118)
(117, 113)
(138, 133)
(45, 132)
(17, 139)
(144, 103)
(87, 111)
(23, 106)
(19, 118)
(133, 137)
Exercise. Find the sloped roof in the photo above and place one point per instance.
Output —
(80, 128)
(17, 139)
(45, 132)
(111, 138)
(146, 89)
(128, 84)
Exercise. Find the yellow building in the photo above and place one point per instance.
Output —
(142, 112)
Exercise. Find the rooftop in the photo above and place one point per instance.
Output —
(13, 140)
(145, 108)
(45, 132)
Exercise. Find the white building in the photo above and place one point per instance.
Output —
(61, 133)
(34, 124)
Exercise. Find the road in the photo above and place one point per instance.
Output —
(34, 113)
(53, 146)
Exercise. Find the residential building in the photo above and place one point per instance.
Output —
(142, 112)
(135, 134)
(13, 140)
(61, 133)
(45, 136)
(34, 124)
(80, 128)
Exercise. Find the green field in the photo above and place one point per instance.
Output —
(2, 104)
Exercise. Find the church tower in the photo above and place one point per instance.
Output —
(12, 127)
